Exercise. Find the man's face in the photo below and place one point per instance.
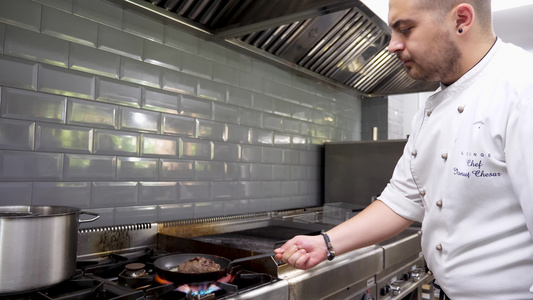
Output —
(422, 43)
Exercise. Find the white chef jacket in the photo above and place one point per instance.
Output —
(467, 174)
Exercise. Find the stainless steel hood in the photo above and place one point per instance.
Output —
(338, 41)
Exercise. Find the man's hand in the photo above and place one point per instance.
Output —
(303, 252)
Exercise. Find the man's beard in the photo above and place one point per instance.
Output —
(439, 62)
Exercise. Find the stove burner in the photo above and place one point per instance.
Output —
(134, 275)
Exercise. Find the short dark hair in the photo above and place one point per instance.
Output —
(482, 9)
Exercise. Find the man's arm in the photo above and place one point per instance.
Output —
(374, 224)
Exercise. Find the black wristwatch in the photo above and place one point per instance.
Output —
(329, 247)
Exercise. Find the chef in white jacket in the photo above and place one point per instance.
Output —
(467, 169)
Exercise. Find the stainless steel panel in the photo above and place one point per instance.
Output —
(357, 172)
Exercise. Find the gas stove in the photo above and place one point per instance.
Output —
(131, 276)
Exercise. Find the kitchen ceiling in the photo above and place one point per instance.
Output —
(338, 41)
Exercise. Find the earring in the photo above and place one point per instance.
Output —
(460, 30)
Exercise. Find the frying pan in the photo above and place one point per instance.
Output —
(164, 264)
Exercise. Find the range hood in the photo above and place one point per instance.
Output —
(341, 42)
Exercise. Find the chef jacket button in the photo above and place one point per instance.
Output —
(430, 273)
(419, 233)
(439, 203)
(444, 156)
(429, 113)
(439, 247)
(414, 153)
(461, 109)
(422, 193)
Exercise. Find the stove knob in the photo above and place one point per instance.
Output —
(396, 290)
(384, 290)
(416, 274)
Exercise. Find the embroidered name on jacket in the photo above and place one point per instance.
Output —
(474, 166)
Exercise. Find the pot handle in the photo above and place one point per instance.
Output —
(96, 217)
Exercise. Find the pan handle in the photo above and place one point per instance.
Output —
(240, 260)
(96, 217)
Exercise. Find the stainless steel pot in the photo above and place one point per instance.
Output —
(38, 246)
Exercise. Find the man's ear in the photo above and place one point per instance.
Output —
(464, 15)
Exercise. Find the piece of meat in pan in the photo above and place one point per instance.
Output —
(197, 265)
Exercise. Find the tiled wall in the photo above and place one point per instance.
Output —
(129, 117)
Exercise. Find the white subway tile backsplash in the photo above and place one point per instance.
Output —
(291, 157)
(251, 153)
(26, 105)
(111, 194)
(30, 166)
(250, 117)
(21, 13)
(136, 214)
(180, 40)
(225, 74)
(209, 170)
(236, 171)
(159, 192)
(140, 72)
(138, 120)
(178, 82)
(212, 130)
(143, 26)
(183, 128)
(261, 136)
(208, 209)
(282, 139)
(194, 190)
(99, 11)
(75, 194)
(272, 155)
(157, 145)
(271, 188)
(290, 188)
(226, 152)
(119, 42)
(15, 193)
(226, 113)
(64, 5)
(260, 205)
(178, 125)
(249, 189)
(18, 73)
(137, 168)
(66, 82)
(175, 212)
(239, 97)
(195, 65)
(90, 167)
(262, 103)
(281, 172)
(261, 171)
(69, 27)
(117, 92)
(36, 47)
(211, 90)
(176, 169)
(94, 61)
(236, 207)
(16, 134)
(90, 113)
(195, 149)
(238, 134)
(239, 61)
(162, 55)
(196, 108)
(63, 138)
(157, 100)
(272, 122)
(116, 142)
